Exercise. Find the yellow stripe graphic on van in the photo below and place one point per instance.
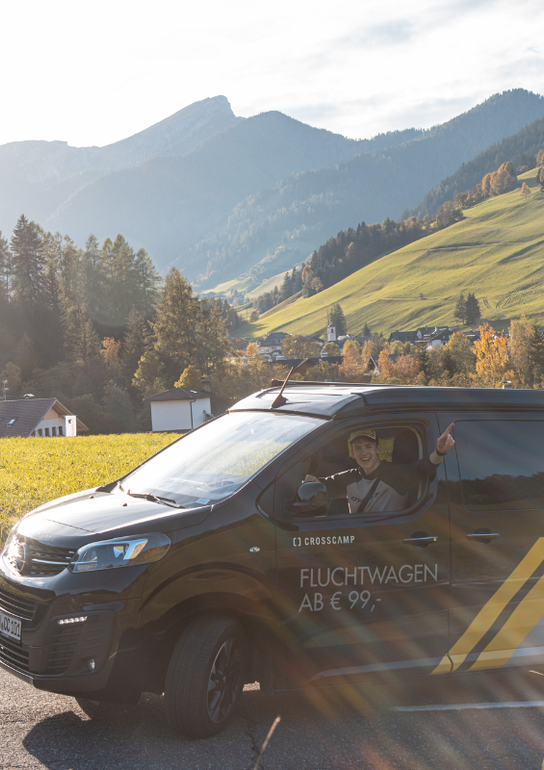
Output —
(518, 626)
(492, 609)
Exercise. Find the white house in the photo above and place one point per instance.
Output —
(179, 409)
(38, 418)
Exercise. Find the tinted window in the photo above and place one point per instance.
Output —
(398, 445)
(501, 464)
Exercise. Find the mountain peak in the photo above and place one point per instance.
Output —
(176, 135)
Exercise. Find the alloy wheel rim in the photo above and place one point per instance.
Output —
(224, 680)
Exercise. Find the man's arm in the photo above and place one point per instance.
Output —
(443, 445)
(337, 483)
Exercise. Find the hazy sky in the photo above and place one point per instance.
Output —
(95, 72)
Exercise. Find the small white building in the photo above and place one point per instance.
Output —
(38, 418)
(179, 409)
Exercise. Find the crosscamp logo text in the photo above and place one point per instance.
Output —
(325, 540)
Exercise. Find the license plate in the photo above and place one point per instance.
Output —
(10, 626)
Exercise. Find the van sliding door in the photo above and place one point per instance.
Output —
(496, 488)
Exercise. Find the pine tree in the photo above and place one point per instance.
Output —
(336, 315)
(148, 283)
(175, 339)
(460, 311)
(27, 263)
(92, 281)
(536, 353)
(135, 344)
(5, 269)
(423, 361)
(472, 310)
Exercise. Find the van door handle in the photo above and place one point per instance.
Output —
(483, 537)
(420, 539)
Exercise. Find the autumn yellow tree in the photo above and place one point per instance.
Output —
(525, 190)
(110, 354)
(300, 346)
(191, 378)
(352, 365)
(461, 352)
(492, 359)
(399, 370)
(521, 373)
(251, 350)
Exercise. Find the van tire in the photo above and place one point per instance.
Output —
(205, 677)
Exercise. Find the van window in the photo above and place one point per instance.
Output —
(398, 445)
(500, 464)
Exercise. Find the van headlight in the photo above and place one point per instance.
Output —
(120, 552)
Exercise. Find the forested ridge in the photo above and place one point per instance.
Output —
(98, 328)
(281, 224)
(526, 142)
(353, 249)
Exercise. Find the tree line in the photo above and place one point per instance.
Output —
(98, 327)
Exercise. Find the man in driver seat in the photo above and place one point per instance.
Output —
(378, 485)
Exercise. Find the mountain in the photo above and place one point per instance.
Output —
(38, 177)
(495, 252)
(219, 195)
(281, 226)
(528, 141)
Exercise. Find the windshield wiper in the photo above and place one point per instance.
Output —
(155, 498)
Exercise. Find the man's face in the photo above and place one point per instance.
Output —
(366, 453)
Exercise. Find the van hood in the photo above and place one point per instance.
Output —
(103, 513)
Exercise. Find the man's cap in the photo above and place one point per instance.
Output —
(364, 433)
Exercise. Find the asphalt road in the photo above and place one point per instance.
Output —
(487, 725)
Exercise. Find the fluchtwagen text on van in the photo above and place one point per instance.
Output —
(321, 577)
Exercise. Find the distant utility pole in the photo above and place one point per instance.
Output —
(5, 388)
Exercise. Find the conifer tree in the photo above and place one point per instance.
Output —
(423, 361)
(5, 269)
(135, 343)
(536, 353)
(472, 310)
(460, 311)
(27, 263)
(174, 330)
(148, 282)
(336, 315)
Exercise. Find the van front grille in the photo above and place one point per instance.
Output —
(15, 605)
(30, 558)
(13, 654)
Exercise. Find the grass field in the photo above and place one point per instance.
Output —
(33, 471)
(496, 252)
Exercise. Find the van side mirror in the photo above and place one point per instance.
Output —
(311, 498)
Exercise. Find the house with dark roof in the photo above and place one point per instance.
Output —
(179, 409)
(411, 337)
(271, 342)
(37, 417)
(435, 338)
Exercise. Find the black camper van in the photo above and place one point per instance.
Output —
(251, 550)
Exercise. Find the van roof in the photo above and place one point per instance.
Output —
(337, 400)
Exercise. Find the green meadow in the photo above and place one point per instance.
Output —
(33, 471)
(497, 252)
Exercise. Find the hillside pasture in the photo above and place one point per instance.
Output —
(33, 471)
(495, 252)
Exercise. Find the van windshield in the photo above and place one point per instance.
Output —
(213, 462)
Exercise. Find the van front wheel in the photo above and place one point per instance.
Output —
(205, 677)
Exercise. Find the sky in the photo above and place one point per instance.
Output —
(91, 73)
